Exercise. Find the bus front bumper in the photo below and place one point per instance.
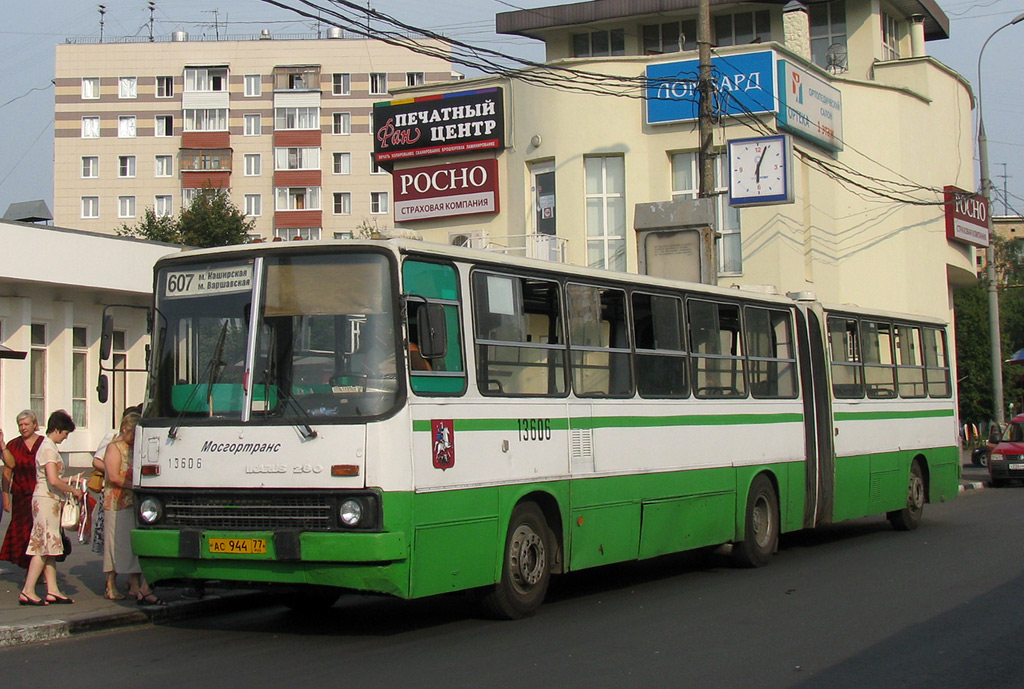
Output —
(352, 560)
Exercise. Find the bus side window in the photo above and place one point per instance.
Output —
(659, 338)
(519, 342)
(771, 356)
(936, 366)
(879, 375)
(909, 365)
(598, 341)
(437, 283)
(844, 351)
(716, 347)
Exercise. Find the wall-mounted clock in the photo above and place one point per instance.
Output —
(761, 170)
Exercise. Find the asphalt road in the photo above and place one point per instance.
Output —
(853, 605)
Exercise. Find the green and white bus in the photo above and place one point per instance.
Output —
(414, 419)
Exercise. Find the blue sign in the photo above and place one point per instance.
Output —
(743, 83)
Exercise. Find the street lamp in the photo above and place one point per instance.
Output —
(995, 350)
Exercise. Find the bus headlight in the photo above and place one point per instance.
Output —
(150, 510)
(351, 512)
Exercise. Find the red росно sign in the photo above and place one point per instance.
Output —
(966, 216)
(441, 191)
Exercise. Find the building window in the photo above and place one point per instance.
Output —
(127, 87)
(305, 158)
(126, 127)
(595, 43)
(126, 206)
(375, 168)
(297, 118)
(342, 203)
(206, 119)
(378, 83)
(163, 206)
(686, 185)
(90, 88)
(90, 127)
(90, 206)
(163, 125)
(164, 166)
(289, 233)
(379, 202)
(206, 79)
(253, 164)
(342, 163)
(165, 87)
(414, 78)
(253, 85)
(606, 212)
(743, 28)
(253, 205)
(670, 37)
(188, 196)
(341, 123)
(90, 167)
(37, 372)
(79, 375)
(125, 166)
(253, 124)
(828, 29)
(890, 37)
(301, 78)
(193, 159)
(341, 84)
(297, 199)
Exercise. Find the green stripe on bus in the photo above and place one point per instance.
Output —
(561, 424)
(882, 415)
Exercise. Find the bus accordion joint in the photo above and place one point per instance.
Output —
(344, 470)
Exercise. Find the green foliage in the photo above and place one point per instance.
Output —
(210, 220)
(970, 306)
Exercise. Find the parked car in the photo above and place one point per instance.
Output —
(979, 455)
(1006, 459)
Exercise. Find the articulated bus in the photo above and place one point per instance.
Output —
(414, 419)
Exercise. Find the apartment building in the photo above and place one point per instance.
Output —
(283, 124)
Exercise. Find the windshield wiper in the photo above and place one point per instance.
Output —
(211, 372)
(270, 379)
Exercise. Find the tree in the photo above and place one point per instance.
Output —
(209, 220)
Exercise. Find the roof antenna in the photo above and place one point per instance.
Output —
(152, 8)
(103, 11)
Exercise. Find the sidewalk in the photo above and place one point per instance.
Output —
(80, 577)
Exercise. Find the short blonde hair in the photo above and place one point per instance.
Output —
(27, 414)
(129, 421)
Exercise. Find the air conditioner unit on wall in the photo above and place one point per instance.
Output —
(471, 240)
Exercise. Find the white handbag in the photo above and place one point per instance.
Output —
(69, 514)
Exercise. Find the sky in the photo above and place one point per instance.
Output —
(27, 43)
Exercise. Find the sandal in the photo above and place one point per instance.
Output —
(53, 598)
(113, 595)
(25, 600)
(150, 599)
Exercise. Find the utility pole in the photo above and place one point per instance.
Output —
(1006, 199)
(706, 153)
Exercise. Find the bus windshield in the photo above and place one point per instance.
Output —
(323, 349)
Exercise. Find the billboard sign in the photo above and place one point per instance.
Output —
(443, 124)
(966, 217)
(442, 191)
(744, 84)
(810, 107)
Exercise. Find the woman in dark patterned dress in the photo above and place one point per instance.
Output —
(20, 456)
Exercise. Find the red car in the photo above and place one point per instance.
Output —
(1006, 461)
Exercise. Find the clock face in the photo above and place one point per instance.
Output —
(759, 171)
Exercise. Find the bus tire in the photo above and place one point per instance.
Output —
(909, 517)
(526, 566)
(761, 526)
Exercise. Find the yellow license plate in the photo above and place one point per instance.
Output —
(238, 546)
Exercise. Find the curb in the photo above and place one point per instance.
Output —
(179, 610)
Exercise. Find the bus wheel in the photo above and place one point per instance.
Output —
(761, 526)
(526, 570)
(909, 517)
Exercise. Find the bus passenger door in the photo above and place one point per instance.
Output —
(819, 487)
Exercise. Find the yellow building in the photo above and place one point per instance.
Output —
(591, 147)
(284, 124)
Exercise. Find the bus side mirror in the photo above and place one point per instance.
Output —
(106, 337)
(432, 331)
(102, 389)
